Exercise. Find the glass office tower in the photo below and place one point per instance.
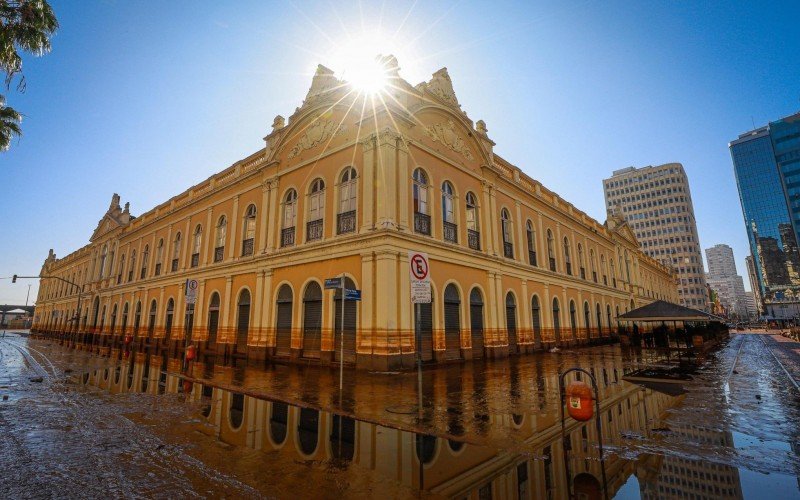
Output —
(767, 166)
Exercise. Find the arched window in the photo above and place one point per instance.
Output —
(316, 210)
(348, 202)
(567, 257)
(103, 255)
(248, 230)
(531, 237)
(145, 259)
(449, 229)
(551, 253)
(505, 223)
(219, 239)
(176, 252)
(581, 262)
(473, 230)
(132, 265)
(593, 265)
(422, 218)
(289, 218)
(613, 273)
(159, 256)
(603, 268)
(197, 240)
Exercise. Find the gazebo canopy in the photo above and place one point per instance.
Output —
(666, 311)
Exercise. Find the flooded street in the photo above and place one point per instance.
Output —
(76, 424)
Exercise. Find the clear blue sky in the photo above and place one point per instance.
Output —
(146, 99)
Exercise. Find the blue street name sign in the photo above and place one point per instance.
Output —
(352, 294)
(333, 283)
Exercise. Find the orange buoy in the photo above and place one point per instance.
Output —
(191, 352)
(580, 404)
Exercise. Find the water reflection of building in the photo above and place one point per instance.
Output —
(674, 476)
(453, 468)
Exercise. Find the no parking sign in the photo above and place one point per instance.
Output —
(419, 271)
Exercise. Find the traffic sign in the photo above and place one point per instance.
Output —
(419, 273)
(191, 291)
(352, 294)
(333, 283)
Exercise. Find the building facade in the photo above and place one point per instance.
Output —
(338, 191)
(722, 277)
(766, 162)
(657, 205)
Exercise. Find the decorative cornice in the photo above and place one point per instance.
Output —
(447, 135)
(316, 133)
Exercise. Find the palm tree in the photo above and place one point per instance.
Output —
(25, 25)
(9, 124)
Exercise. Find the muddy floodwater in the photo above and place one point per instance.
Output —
(140, 425)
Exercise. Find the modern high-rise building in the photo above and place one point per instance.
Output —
(766, 162)
(722, 277)
(657, 204)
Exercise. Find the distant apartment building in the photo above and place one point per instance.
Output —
(766, 162)
(724, 280)
(657, 204)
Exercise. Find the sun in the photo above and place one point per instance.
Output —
(358, 62)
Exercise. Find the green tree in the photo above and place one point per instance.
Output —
(25, 26)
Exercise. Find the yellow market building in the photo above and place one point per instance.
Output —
(348, 186)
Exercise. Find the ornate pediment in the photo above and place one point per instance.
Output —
(441, 86)
(115, 217)
(446, 134)
(316, 133)
(618, 225)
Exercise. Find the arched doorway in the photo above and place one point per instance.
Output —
(308, 428)
(350, 321)
(151, 322)
(452, 322)
(536, 321)
(168, 320)
(283, 321)
(312, 320)
(476, 322)
(423, 329)
(573, 321)
(511, 323)
(213, 319)
(587, 319)
(556, 320)
(243, 321)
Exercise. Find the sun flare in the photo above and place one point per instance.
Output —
(357, 61)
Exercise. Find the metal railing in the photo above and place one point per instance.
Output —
(174, 267)
(219, 253)
(346, 222)
(247, 247)
(195, 259)
(532, 258)
(569, 268)
(158, 268)
(474, 239)
(314, 230)
(583, 273)
(508, 250)
(143, 273)
(450, 231)
(553, 264)
(287, 237)
(422, 223)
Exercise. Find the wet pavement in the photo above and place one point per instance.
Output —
(77, 424)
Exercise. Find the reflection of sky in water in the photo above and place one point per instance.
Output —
(757, 485)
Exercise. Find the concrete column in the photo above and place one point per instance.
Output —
(229, 303)
(367, 337)
(485, 221)
(494, 217)
(233, 225)
(208, 249)
(368, 183)
(267, 316)
(547, 308)
(501, 336)
(188, 238)
(386, 303)
(273, 217)
(525, 312)
(406, 311)
(519, 246)
(200, 316)
(258, 325)
(402, 186)
(385, 181)
(262, 220)
(558, 248)
(162, 308)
